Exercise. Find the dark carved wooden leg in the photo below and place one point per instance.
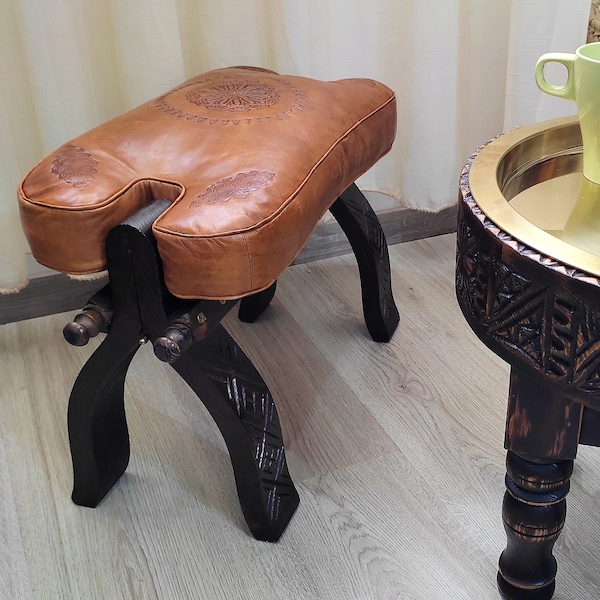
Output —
(251, 307)
(533, 512)
(240, 403)
(542, 435)
(98, 433)
(363, 230)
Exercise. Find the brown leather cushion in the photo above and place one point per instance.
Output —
(250, 160)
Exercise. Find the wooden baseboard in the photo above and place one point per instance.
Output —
(59, 293)
(402, 224)
(46, 296)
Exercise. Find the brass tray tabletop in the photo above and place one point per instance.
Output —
(529, 183)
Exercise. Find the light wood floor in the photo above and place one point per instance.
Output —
(396, 451)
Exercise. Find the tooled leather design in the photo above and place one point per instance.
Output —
(234, 96)
(239, 186)
(241, 97)
(74, 166)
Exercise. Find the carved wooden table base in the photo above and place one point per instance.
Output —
(543, 318)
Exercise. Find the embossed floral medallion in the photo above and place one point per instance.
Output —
(239, 186)
(74, 166)
(233, 100)
(234, 96)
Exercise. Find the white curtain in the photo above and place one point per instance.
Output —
(462, 71)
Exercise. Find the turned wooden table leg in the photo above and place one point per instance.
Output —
(533, 512)
(542, 436)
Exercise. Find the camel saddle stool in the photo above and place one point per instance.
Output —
(194, 201)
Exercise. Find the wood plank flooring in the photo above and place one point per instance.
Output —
(396, 451)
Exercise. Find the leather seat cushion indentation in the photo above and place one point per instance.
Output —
(249, 159)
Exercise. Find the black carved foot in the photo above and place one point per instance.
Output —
(98, 433)
(363, 230)
(533, 512)
(251, 307)
(241, 405)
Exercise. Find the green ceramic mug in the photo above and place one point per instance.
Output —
(583, 86)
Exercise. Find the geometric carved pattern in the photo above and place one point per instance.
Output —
(75, 166)
(586, 359)
(523, 331)
(239, 186)
(508, 286)
(237, 379)
(517, 312)
(503, 301)
(538, 311)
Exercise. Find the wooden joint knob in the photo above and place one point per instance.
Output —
(87, 324)
(177, 339)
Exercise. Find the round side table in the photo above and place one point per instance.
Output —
(528, 284)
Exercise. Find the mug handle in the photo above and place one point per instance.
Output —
(562, 91)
